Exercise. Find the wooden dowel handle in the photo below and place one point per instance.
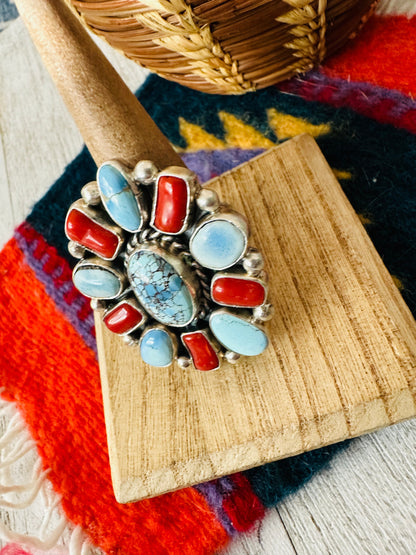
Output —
(111, 120)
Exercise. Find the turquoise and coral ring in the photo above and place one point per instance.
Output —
(169, 266)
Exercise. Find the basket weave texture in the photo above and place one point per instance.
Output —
(226, 46)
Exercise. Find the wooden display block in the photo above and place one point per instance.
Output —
(342, 354)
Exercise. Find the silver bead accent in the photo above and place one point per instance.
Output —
(184, 362)
(253, 262)
(97, 304)
(129, 340)
(145, 172)
(91, 194)
(231, 357)
(264, 312)
(75, 250)
(208, 200)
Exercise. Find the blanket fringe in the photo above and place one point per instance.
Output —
(25, 492)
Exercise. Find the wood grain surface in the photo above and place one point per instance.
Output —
(362, 503)
(341, 360)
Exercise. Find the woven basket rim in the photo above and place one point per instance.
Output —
(230, 47)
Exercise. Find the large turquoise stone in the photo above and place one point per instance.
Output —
(156, 347)
(96, 282)
(160, 289)
(118, 198)
(236, 334)
(218, 244)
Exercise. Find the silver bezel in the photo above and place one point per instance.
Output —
(132, 302)
(242, 315)
(191, 186)
(241, 276)
(207, 334)
(180, 267)
(222, 214)
(95, 215)
(172, 336)
(96, 262)
(137, 192)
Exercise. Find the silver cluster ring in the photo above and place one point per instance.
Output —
(169, 266)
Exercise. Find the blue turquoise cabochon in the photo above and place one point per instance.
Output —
(160, 289)
(156, 347)
(98, 282)
(237, 334)
(218, 244)
(118, 198)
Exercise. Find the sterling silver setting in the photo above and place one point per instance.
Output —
(183, 271)
(192, 186)
(124, 302)
(260, 279)
(97, 216)
(99, 265)
(169, 266)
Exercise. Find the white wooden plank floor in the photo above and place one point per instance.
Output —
(365, 501)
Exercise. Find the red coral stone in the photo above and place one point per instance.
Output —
(202, 352)
(91, 235)
(171, 204)
(234, 291)
(122, 318)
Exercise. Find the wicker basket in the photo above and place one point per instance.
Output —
(226, 46)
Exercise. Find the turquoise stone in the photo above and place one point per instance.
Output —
(156, 347)
(98, 282)
(160, 289)
(218, 244)
(118, 198)
(236, 334)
